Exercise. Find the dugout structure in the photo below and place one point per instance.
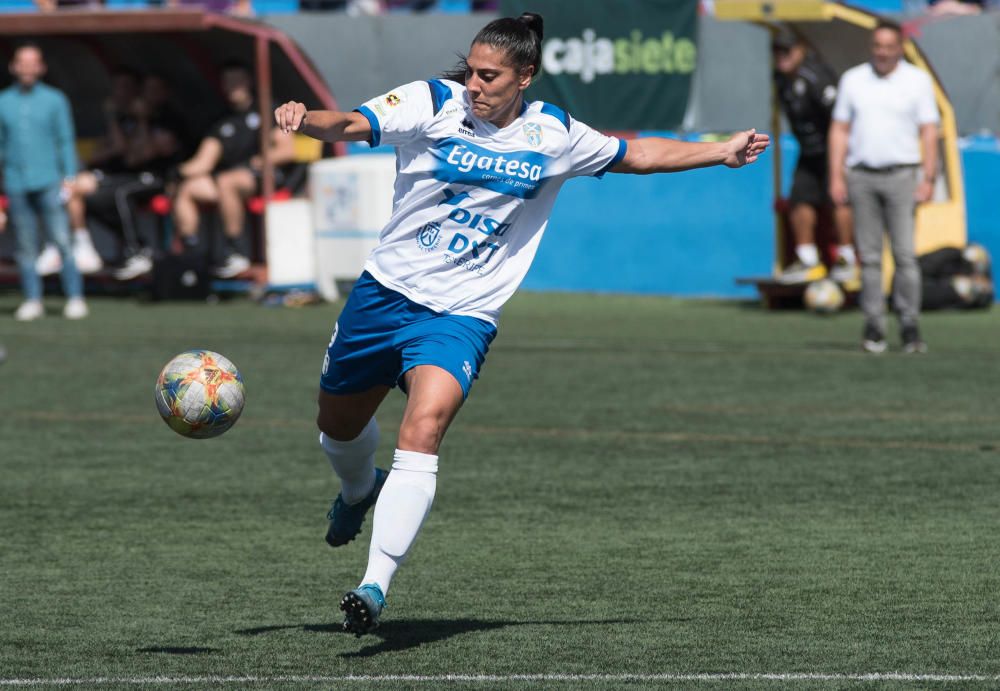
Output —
(840, 35)
(187, 48)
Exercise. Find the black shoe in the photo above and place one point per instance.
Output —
(873, 340)
(912, 343)
(346, 519)
(362, 607)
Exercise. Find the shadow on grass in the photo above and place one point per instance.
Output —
(411, 633)
(175, 650)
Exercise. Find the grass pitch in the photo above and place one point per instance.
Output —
(642, 487)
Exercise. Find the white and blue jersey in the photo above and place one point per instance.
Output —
(470, 206)
(471, 200)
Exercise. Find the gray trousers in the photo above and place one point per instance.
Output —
(883, 203)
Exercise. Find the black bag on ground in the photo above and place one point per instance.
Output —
(181, 277)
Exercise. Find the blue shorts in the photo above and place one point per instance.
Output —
(381, 334)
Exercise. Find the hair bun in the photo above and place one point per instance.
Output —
(534, 22)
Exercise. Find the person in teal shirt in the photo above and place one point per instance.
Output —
(37, 150)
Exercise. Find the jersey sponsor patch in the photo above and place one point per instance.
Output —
(514, 173)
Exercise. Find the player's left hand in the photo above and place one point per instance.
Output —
(744, 147)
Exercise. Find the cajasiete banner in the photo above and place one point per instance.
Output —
(615, 64)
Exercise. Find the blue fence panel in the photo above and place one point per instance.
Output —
(981, 165)
(17, 6)
(264, 7)
(688, 233)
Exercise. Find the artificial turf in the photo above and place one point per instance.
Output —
(637, 486)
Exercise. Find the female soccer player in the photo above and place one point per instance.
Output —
(478, 170)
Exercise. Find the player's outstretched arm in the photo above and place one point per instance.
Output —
(325, 125)
(661, 155)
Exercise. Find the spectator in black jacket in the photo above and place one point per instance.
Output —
(225, 170)
(807, 90)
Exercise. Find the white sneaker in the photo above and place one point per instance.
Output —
(134, 266)
(49, 262)
(797, 272)
(87, 259)
(75, 308)
(234, 266)
(845, 272)
(30, 310)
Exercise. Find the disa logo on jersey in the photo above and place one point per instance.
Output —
(590, 56)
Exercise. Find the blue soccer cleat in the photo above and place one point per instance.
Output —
(362, 607)
(346, 519)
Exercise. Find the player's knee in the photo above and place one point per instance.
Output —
(340, 427)
(422, 432)
(363, 444)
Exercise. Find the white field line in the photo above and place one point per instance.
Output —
(493, 678)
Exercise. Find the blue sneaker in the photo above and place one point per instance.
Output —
(362, 607)
(346, 519)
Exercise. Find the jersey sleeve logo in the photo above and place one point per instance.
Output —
(392, 100)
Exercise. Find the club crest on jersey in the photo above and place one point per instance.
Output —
(533, 131)
(429, 236)
(392, 100)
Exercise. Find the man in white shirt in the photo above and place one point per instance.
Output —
(884, 116)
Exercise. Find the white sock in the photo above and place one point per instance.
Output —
(402, 506)
(353, 462)
(81, 234)
(807, 254)
(846, 252)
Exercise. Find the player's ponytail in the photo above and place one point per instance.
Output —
(536, 25)
(519, 38)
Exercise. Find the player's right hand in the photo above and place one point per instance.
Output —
(289, 116)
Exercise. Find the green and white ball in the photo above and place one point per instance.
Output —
(823, 296)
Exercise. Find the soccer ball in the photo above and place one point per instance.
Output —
(978, 257)
(823, 296)
(200, 394)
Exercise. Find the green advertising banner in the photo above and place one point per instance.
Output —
(615, 64)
